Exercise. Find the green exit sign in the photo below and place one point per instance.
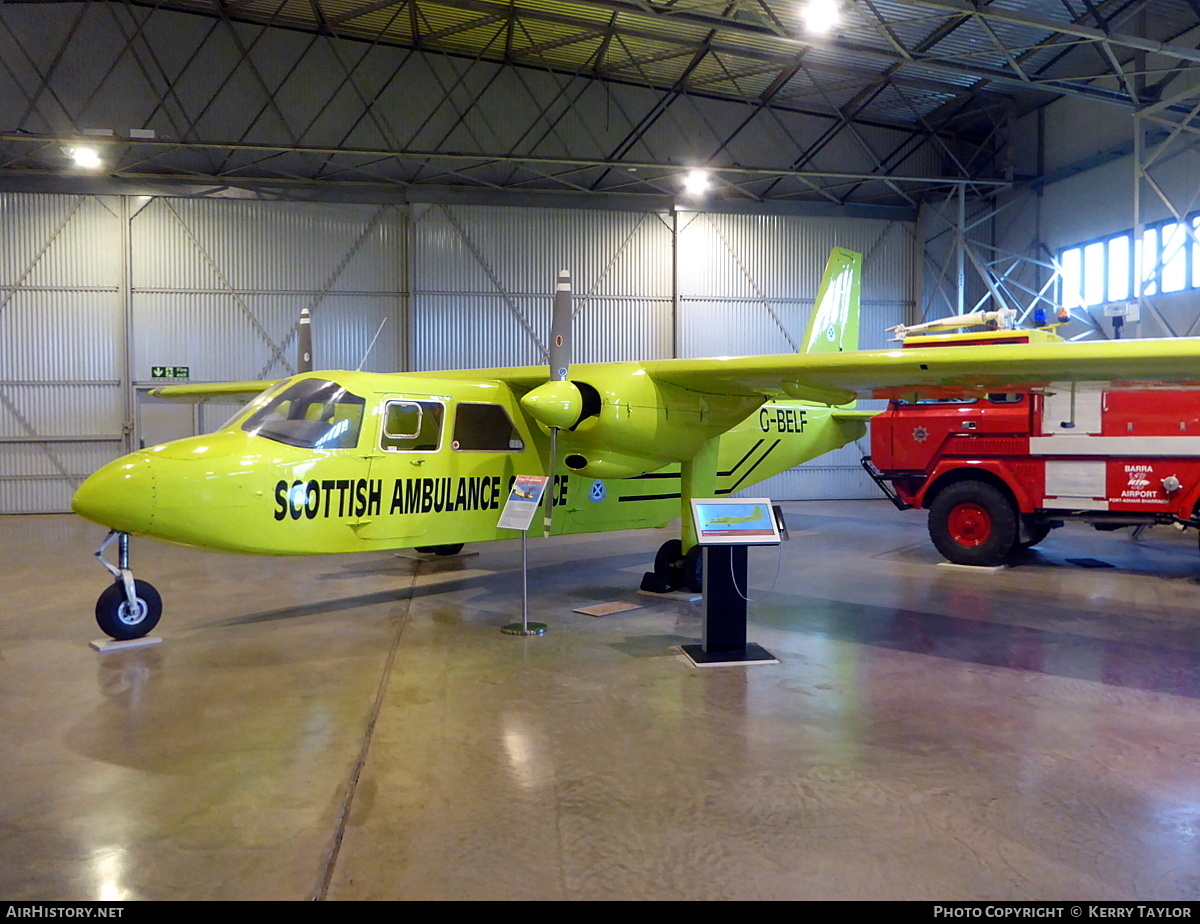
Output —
(170, 372)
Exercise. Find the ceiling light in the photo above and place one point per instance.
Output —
(821, 15)
(88, 158)
(696, 183)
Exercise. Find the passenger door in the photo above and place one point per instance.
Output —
(408, 447)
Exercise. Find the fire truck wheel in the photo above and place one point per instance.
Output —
(973, 523)
(1036, 532)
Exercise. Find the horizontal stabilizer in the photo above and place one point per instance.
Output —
(853, 415)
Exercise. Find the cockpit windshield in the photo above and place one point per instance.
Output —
(311, 414)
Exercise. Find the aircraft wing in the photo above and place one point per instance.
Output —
(838, 378)
(199, 391)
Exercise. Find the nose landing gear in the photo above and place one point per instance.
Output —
(128, 608)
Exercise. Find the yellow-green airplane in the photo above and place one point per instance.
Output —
(333, 462)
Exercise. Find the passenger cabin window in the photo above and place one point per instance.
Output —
(311, 414)
(412, 426)
(485, 428)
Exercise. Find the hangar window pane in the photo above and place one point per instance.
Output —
(1195, 253)
(1174, 257)
(1118, 268)
(1147, 262)
(1093, 273)
(412, 426)
(1071, 264)
(485, 428)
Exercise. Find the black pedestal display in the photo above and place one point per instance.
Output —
(725, 591)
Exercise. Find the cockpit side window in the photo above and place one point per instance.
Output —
(412, 426)
(311, 414)
(485, 428)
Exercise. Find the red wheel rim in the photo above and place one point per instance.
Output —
(969, 525)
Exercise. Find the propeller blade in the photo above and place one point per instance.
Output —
(304, 342)
(560, 364)
(560, 329)
(548, 501)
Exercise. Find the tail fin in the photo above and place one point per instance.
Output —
(833, 326)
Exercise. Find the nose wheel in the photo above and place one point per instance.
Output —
(122, 619)
(128, 608)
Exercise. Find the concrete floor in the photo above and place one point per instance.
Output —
(357, 727)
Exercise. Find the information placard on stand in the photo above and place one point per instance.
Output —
(524, 500)
(734, 521)
(726, 528)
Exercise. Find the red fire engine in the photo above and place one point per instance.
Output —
(998, 472)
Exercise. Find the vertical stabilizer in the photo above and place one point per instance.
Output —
(833, 327)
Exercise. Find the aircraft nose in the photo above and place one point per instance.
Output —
(120, 495)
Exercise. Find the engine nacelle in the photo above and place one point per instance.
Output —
(621, 422)
(600, 463)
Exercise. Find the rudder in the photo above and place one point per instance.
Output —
(833, 327)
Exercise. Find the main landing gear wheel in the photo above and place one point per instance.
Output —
(440, 549)
(121, 620)
(973, 523)
(667, 559)
(693, 569)
(680, 571)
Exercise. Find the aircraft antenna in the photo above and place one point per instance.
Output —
(371, 345)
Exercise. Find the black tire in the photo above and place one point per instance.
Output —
(117, 620)
(973, 523)
(452, 549)
(668, 557)
(681, 571)
(693, 569)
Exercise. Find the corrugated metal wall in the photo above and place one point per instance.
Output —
(237, 274)
(95, 291)
(62, 406)
(483, 283)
